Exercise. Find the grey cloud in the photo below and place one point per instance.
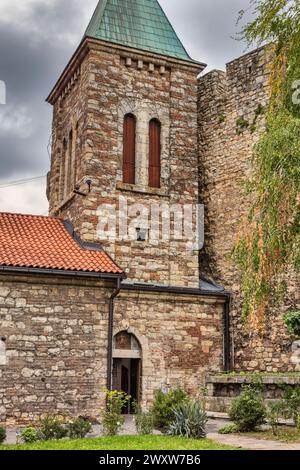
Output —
(207, 28)
(30, 62)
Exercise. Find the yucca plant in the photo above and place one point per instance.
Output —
(189, 421)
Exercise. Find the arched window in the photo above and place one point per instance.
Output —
(125, 341)
(129, 137)
(154, 153)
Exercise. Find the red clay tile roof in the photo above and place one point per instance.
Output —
(44, 242)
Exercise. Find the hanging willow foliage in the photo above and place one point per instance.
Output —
(268, 243)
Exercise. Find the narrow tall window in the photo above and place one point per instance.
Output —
(3, 356)
(63, 159)
(68, 169)
(129, 137)
(74, 159)
(154, 153)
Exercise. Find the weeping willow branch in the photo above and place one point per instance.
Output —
(268, 242)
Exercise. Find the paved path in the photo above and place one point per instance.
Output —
(251, 443)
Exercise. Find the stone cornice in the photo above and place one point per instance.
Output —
(72, 70)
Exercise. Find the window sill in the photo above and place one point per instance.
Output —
(134, 188)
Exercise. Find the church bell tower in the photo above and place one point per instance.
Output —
(124, 163)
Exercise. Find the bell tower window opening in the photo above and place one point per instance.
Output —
(154, 153)
(129, 148)
(74, 160)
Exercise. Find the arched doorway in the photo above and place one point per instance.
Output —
(127, 366)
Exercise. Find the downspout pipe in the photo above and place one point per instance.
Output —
(111, 333)
(227, 339)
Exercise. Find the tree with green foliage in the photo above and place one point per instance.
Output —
(268, 243)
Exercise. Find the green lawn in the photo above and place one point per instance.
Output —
(124, 443)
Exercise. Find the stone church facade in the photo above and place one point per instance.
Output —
(134, 129)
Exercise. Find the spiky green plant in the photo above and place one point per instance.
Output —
(190, 421)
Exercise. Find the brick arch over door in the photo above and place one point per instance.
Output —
(147, 365)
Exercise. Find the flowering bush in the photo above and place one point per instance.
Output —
(52, 428)
(111, 416)
(79, 428)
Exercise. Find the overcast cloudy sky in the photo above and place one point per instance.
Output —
(37, 38)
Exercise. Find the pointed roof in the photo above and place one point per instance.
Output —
(140, 24)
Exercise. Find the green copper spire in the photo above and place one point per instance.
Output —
(141, 24)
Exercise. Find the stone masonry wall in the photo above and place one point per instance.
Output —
(54, 332)
(230, 122)
(181, 338)
(69, 114)
(114, 83)
(55, 335)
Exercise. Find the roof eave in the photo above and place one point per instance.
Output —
(187, 60)
(175, 290)
(75, 60)
(88, 42)
(61, 272)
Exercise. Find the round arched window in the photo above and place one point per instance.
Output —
(126, 345)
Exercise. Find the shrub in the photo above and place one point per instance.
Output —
(291, 403)
(2, 435)
(228, 429)
(248, 411)
(274, 413)
(144, 423)
(52, 428)
(288, 408)
(79, 428)
(112, 423)
(164, 405)
(189, 421)
(292, 321)
(111, 417)
(30, 435)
